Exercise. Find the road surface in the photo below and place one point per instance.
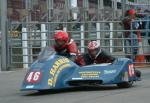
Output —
(10, 83)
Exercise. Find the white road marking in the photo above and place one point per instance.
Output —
(5, 72)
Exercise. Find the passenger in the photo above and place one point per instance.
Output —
(96, 55)
(66, 46)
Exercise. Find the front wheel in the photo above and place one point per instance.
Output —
(44, 91)
(125, 84)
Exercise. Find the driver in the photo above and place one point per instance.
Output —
(96, 55)
(66, 46)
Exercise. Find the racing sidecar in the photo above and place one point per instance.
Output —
(52, 71)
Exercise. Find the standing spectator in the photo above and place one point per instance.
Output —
(147, 24)
(130, 36)
(140, 13)
(140, 16)
(147, 32)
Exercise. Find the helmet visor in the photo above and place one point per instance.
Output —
(93, 52)
(59, 43)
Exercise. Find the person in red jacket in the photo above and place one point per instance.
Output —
(66, 46)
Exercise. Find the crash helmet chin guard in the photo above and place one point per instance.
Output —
(93, 48)
(61, 38)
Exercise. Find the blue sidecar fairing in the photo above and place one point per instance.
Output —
(51, 71)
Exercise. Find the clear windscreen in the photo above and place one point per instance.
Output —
(46, 53)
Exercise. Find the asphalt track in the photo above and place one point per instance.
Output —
(10, 83)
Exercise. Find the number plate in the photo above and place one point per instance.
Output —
(34, 77)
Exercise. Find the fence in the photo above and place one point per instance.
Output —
(25, 44)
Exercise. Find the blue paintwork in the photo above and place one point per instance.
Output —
(108, 73)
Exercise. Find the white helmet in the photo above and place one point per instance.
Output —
(93, 45)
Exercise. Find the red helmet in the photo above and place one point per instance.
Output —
(93, 45)
(61, 35)
(131, 12)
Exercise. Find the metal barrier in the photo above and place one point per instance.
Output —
(24, 45)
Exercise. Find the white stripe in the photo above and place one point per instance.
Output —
(73, 54)
(98, 53)
(70, 41)
(6, 72)
(77, 78)
(103, 64)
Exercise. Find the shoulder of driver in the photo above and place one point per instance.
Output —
(72, 47)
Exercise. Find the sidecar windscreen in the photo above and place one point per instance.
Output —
(46, 53)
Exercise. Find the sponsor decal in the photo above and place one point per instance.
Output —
(54, 72)
(110, 71)
(29, 86)
(77, 78)
(103, 64)
(89, 74)
(131, 70)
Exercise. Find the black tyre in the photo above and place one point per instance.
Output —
(125, 84)
(43, 91)
(138, 73)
